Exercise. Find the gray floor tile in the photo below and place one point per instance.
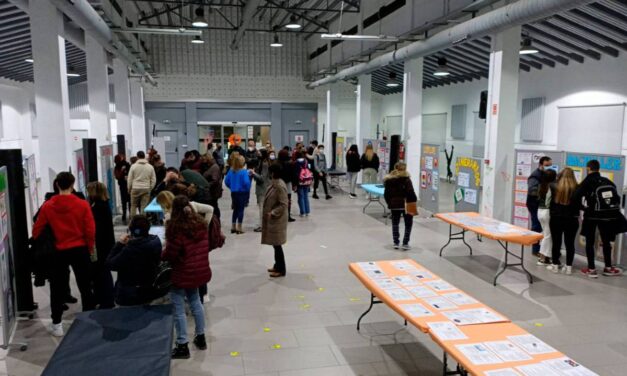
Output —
(289, 359)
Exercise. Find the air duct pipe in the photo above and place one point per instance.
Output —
(518, 13)
(247, 16)
(84, 15)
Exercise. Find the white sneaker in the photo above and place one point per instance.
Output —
(406, 247)
(554, 268)
(56, 329)
(568, 270)
(396, 246)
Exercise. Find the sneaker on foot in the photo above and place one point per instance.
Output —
(352, 196)
(315, 197)
(290, 219)
(555, 268)
(568, 270)
(396, 246)
(181, 351)
(56, 330)
(590, 273)
(257, 229)
(612, 272)
(200, 342)
(406, 247)
(328, 197)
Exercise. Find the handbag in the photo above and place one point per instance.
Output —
(411, 208)
(163, 278)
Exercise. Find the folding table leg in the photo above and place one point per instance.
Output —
(372, 303)
(522, 264)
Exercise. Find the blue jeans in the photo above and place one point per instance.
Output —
(239, 203)
(180, 321)
(303, 199)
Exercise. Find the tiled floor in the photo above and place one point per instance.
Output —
(304, 324)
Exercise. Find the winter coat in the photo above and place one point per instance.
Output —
(189, 259)
(289, 173)
(262, 180)
(320, 163)
(121, 169)
(274, 226)
(193, 177)
(141, 176)
(398, 190)
(533, 182)
(217, 155)
(160, 171)
(213, 175)
(353, 163)
(373, 163)
(614, 221)
(136, 264)
(238, 181)
(104, 228)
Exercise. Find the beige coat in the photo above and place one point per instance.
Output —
(274, 226)
(141, 176)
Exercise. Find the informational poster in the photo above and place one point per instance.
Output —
(525, 162)
(79, 170)
(613, 168)
(339, 153)
(7, 304)
(30, 181)
(429, 177)
(107, 178)
(468, 184)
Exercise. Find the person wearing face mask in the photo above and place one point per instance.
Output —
(305, 179)
(533, 185)
(217, 155)
(261, 176)
(251, 154)
(320, 172)
(272, 157)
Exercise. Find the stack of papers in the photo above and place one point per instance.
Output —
(531, 344)
(446, 331)
(399, 294)
(416, 310)
(474, 316)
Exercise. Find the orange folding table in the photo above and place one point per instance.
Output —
(503, 232)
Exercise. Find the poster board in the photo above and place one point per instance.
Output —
(383, 152)
(79, 171)
(30, 180)
(613, 168)
(467, 194)
(107, 177)
(339, 153)
(525, 162)
(7, 277)
(429, 182)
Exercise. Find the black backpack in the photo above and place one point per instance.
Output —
(604, 198)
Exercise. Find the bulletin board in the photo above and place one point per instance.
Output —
(339, 153)
(525, 163)
(467, 194)
(613, 168)
(430, 177)
(7, 276)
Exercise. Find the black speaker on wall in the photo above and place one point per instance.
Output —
(395, 143)
(333, 149)
(483, 104)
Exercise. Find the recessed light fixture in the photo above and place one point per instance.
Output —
(527, 48)
(197, 40)
(293, 24)
(392, 82)
(442, 68)
(29, 60)
(199, 19)
(276, 42)
(71, 72)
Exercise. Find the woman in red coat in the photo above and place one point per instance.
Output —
(187, 250)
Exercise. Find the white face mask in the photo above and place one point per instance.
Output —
(272, 157)
(321, 150)
(251, 148)
(301, 159)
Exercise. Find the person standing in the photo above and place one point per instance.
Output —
(320, 170)
(290, 178)
(564, 220)
(353, 166)
(238, 181)
(544, 216)
(398, 190)
(187, 250)
(159, 166)
(305, 179)
(213, 175)
(251, 154)
(533, 183)
(120, 171)
(370, 165)
(602, 211)
(141, 180)
(74, 230)
(274, 222)
(102, 280)
(261, 175)
(218, 156)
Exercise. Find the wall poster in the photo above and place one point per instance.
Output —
(468, 184)
(339, 153)
(79, 171)
(429, 177)
(7, 289)
(107, 178)
(383, 152)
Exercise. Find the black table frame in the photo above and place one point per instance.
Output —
(461, 235)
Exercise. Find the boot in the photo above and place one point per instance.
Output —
(234, 228)
(200, 342)
(181, 351)
(239, 229)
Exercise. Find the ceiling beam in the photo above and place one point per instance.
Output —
(581, 39)
(556, 40)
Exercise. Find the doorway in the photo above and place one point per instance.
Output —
(219, 132)
(170, 138)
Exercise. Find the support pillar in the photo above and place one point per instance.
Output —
(364, 108)
(123, 102)
(276, 137)
(500, 125)
(51, 91)
(98, 91)
(411, 133)
(138, 122)
(331, 123)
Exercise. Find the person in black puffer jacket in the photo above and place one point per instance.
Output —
(353, 166)
(398, 191)
(136, 258)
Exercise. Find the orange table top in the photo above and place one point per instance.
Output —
(491, 228)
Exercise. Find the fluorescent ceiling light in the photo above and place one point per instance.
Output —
(527, 48)
(29, 60)
(197, 40)
(392, 82)
(442, 68)
(276, 42)
(293, 24)
(71, 72)
(199, 19)
(378, 38)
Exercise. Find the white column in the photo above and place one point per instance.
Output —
(331, 126)
(98, 91)
(364, 108)
(138, 124)
(500, 125)
(122, 102)
(51, 90)
(412, 117)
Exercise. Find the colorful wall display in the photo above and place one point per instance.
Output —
(339, 153)
(468, 184)
(106, 172)
(7, 289)
(79, 170)
(381, 147)
(430, 177)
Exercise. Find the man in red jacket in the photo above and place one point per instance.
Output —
(74, 231)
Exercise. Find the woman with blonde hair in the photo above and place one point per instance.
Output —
(166, 198)
(369, 165)
(564, 220)
(238, 181)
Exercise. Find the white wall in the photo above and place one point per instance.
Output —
(16, 117)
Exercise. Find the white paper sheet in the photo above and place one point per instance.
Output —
(375, 274)
(521, 185)
(423, 274)
(416, 310)
(446, 331)
(502, 372)
(568, 367)
(386, 283)
(524, 158)
(473, 316)
(405, 280)
(521, 212)
(470, 196)
(521, 222)
(508, 351)
(429, 163)
(440, 285)
(463, 179)
(523, 170)
(371, 265)
(531, 344)
(478, 354)
(460, 298)
(537, 369)
(520, 197)
(403, 265)
(422, 291)
(440, 303)
(399, 294)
